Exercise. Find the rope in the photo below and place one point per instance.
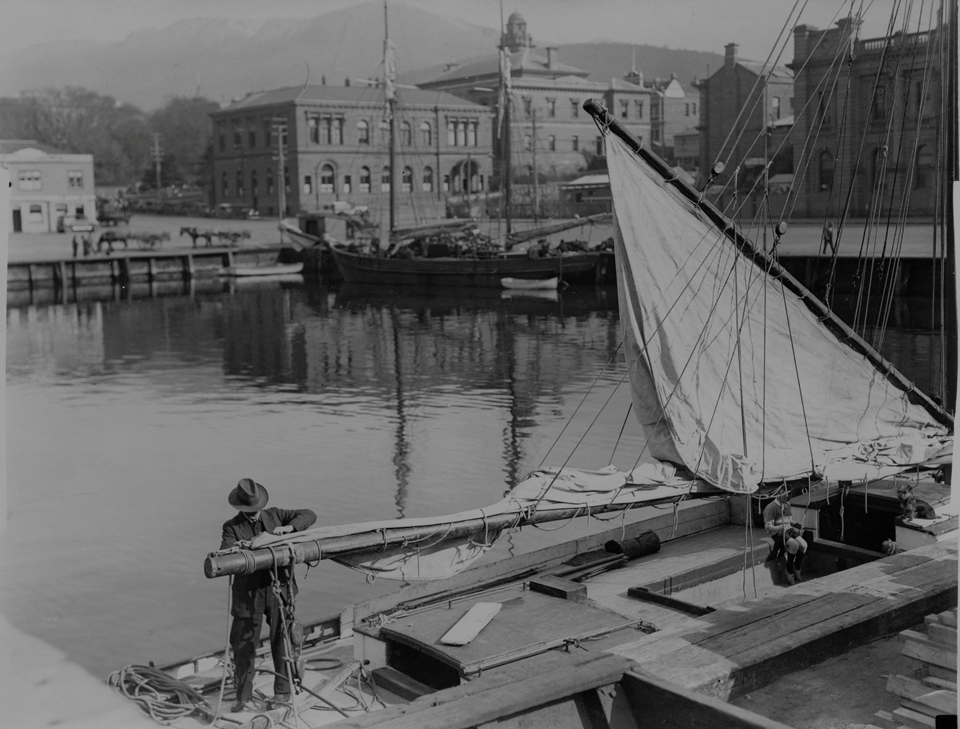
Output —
(163, 698)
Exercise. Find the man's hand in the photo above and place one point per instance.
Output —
(283, 530)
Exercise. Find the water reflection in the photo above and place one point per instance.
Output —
(131, 418)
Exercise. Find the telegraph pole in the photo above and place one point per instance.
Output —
(157, 156)
(280, 125)
(536, 176)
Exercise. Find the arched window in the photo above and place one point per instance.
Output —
(385, 179)
(826, 170)
(406, 135)
(428, 179)
(326, 179)
(472, 134)
(363, 132)
(451, 133)
(925, 164)
(384, 132)
(426, 134)
(364, 179)
(407, 180)
(239, 183)
(224, 184)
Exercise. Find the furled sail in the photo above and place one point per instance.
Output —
(736, 372)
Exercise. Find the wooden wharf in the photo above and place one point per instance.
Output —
(125, 267)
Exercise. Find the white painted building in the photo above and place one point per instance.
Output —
(46, 183)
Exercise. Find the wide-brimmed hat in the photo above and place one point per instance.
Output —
(248, 496)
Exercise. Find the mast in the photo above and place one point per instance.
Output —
(951, 194)
(389, 73)
(505, 150)
(536, 176)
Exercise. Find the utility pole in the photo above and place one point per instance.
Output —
(157, 156)
(280, 126)
(536, 175)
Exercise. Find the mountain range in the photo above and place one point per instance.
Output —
(223, 58)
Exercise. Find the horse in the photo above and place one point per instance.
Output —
(194, 234)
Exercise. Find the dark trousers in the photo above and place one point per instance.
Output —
(793, 560)
(244, 634)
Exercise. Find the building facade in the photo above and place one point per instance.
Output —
(871, 109)
(674, 109)
(46, 184)
(336, 146)
(745, 116)
(549, 128)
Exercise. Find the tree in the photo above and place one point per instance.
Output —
(185, 129)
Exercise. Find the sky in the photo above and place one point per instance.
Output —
(702, 25)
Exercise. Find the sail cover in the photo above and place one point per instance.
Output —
(733, 376)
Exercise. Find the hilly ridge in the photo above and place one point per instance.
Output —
(223, 58)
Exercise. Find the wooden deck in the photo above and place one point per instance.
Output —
(730, 652)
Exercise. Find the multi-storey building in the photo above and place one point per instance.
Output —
(546, 116)
(673, 109)
(335, 142)
(870, 109)
(46, 184)
(744, 120)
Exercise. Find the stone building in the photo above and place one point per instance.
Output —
(674, 109)
(546, 115)
(47, 183)
(336, 149)
(871, 109)
(745, 116)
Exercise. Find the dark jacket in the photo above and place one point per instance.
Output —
(250, 591)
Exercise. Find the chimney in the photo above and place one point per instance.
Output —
(730, 57)
(551, 57)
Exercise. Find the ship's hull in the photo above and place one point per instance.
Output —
(433, 272)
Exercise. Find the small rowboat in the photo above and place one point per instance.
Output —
(530, 284)
(279, 269)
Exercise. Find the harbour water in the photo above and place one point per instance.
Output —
(128, 422)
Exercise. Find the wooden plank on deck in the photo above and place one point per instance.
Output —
(469, 626)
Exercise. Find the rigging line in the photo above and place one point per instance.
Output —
(909, 179)
(626, 418)
(942, 193)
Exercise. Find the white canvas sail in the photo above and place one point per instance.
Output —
(733, 375)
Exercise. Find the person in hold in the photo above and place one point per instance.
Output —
(827, 239)
(253, 596)
(787, 539)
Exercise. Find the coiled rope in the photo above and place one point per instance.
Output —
(164, 698)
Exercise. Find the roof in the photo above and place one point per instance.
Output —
(776, 73)
(9, 146)
(355, 94)
(523, 60)
(589, 181)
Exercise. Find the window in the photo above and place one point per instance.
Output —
(75, 179)
(384, 132)
(925, 167)
(283, 133)
(686, 109)
(338, 130)
(406, 134)
(551, 107)
(79, 212)
(364, 179)
(472, 134)
(327, 181)
(224, 184)
(385, 179)
(237, 135)
(426, 134)
(251, 134)
(36, 214)
(223, 138)
(527, 105)
(451, 133)
(269, 182)
(239, 178)
(29, 179)
(313, 128)
(363, 133)
(826, 170)
(576, 143)
(267, 133)
(552, 142)
(327, 128)
(639, 108)
(624, 109)
(446, 183)
(574, 108)
(461, 134)
(428, 179)
(254, 184)
(347, 184)
(406, 184)
(694, 107)
(307, 184)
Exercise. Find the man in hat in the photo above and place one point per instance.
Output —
(253, 595)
